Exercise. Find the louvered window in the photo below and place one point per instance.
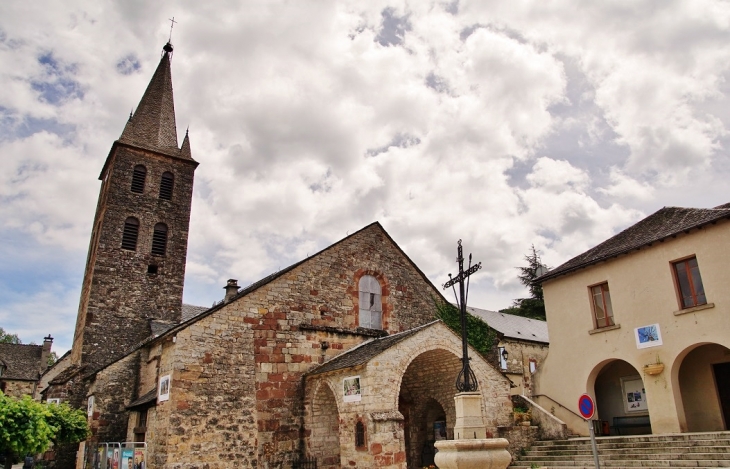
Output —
(138, 177)
(130, 234)
(371, 304)
(159, 240)
(166, 184)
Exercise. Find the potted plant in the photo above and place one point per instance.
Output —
(522, 416)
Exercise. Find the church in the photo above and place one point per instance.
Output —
(338, 360)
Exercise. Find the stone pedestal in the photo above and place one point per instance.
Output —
(469, 420)
(471, 449)
(473, 454)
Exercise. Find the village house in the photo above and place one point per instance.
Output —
(640, 322)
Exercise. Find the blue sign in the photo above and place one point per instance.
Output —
(586, 407)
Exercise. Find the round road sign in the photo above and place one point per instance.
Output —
(586, 406)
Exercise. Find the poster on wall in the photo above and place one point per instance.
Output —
(164, 392)
(351, 389)
(439, 430)
(648, 336)
(634, 395)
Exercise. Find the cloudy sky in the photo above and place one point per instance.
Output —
(504, 124)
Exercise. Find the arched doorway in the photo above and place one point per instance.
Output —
(426, 401)
(704, 384)
(324, 441)
(619, 391)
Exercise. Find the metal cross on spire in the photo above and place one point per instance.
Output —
(172, 24)
(466, 381)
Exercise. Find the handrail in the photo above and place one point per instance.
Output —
(558, 403)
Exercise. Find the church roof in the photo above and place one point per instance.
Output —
(152, 126)
(668, 222)
(22, 362)
(513, 327)
(366, 351)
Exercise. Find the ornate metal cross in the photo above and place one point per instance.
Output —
(466, 381)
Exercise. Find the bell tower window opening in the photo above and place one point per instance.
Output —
(138, 178)
(371, 303)
(159, 240)
(130, 234)
(166, 184)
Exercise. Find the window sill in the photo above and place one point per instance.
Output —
(694, 309)
(604, 329)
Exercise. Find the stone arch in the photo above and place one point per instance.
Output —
(324, 426)
(610, 382)
(700, 377)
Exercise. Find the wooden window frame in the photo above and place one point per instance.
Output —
(609, 319)
(674, 265)
(374, 296)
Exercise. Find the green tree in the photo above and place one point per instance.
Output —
(534, 306)
(8, 338)
(29, 427)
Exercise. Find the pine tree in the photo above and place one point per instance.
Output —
(534, 306)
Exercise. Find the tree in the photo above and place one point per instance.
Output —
(534, 306)
(29, 427)
(8, 338)
(478, 334)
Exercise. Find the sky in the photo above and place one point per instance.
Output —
(504, 124)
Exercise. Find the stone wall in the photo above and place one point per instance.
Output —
(237, 390)
(119, 294)
(396, 385)
(18, 388)
(518, 365)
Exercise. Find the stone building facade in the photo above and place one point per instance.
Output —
(21, 367)
(226, 386)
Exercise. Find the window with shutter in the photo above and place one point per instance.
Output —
(166, 184)
(371, 303)
(130, 234)
(689, 283)
(159, 240)
(138, 177)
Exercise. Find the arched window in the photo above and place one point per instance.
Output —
(159, 240)
(130, 234)
(371, 303)
(166, 184)
(138, 177)
(359, 435)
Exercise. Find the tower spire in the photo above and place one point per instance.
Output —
(153, 124)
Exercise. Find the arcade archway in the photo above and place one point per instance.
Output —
(619, 391)
(324, 442)
(704, 385)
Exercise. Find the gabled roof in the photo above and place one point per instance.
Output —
(665, 223)
(366, 351)
(146, 398)
(23, 362)
(514, 327)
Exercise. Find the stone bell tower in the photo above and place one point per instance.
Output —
(135, 268)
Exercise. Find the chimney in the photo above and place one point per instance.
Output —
(231, 289)
(45, 352)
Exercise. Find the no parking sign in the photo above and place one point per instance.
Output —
(586, 406)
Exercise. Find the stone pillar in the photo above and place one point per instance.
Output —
(471, 449)
(469, 420)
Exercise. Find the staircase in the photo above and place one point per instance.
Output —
(675, 450)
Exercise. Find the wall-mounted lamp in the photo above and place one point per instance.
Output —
(505, 355)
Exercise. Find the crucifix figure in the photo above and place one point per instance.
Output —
(466, 381)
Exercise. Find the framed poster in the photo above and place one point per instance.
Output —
(634, 395)
(351, 391)
(648, 336)
(164, 391)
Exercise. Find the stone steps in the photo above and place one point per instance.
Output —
(677, 450)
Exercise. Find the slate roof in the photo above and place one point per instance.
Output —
(664, 223)
(514, 327)
(22, 362)
(366, 351)
(146, 398)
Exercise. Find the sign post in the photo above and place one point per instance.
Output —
(587, 408)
